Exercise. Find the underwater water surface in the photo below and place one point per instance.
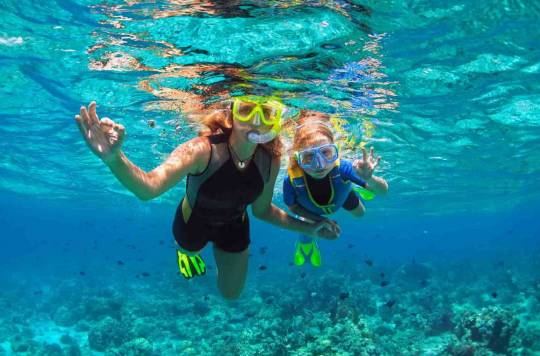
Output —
(448, 93)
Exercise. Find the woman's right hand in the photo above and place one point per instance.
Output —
(326, 229)
(104, 137)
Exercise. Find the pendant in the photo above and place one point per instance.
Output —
(241, 164)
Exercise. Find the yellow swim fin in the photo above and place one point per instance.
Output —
(190, 266)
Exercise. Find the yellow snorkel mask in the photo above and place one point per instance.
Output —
(259, 111)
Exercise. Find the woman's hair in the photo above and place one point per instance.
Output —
(221, 121)
(309, 126)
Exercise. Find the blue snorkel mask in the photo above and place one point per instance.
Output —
(318, 158)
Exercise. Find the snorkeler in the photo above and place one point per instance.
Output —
(232, 164)
(319, 182)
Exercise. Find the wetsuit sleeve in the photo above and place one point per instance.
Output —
(347, 172)
(288, 192)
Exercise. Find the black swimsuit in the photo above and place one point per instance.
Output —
(219, 197)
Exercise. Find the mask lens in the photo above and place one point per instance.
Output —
(307, 158)
(329, 153)
(244, 109)
(270, 114)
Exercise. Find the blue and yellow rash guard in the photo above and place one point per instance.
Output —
(296, 188)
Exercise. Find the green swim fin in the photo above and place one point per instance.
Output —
(307, 249)
(190, 266)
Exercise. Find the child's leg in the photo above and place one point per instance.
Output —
(359, 211)
(353, 204)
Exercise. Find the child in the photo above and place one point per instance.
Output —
(319, 183)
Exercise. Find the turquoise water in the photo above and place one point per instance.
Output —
(447, 93)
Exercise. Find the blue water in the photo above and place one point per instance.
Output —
(447, 93)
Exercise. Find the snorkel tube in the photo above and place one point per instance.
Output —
(255, 136)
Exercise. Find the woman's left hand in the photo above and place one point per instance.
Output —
(366, 166)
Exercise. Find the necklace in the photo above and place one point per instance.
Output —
(241, 163)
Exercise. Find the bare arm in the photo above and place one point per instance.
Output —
(105, 137)
(298, 210)
(189, 157)
(377, 185)
(263, 209)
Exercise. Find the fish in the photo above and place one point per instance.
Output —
(494, 295)
(382, 274)
(262, 267)
(343, 295)
(38, 292)
(369, 262)
(262, 250)
(350, 245)
(82, 273)
(206, 298)
(145, 274)
(423, 283)
(120, 262)
(302, 275)
(384, 283)
(330, 46)
(390, 303)
(161, 242)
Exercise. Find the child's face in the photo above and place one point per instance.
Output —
(319, 173)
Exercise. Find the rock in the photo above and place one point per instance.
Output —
(106, 334)
(492, 327)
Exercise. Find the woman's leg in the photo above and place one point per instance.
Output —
(232, 270)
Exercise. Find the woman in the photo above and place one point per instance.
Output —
(232, 164)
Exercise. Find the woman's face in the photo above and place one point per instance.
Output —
(318, 173)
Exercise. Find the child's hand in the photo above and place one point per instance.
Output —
(365, 167)
(326, 229)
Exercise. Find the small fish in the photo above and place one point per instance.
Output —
(262, 250)
(161, 242)
(494, 295)
(330, 46)
(390, 303)
(290, 264)
(262, 267)
(369, 262)
(343, 295)
(382, 274)
(145, 274)
(206, 298)
(151, 123)
(350, 245)
(38, 292)
(499, 263)
(423, 283)
(120, 262)
(384, 283)
(82, 273)
(302, 275)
